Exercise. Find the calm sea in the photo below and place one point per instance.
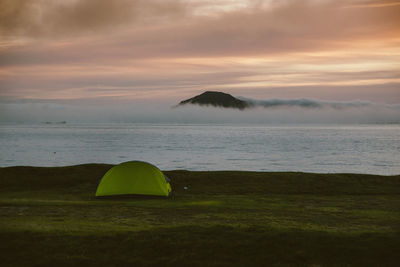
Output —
(373, 149)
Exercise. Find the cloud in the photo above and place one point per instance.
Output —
(141, 29)
(68, 17)
(156, 28)
(373, 4)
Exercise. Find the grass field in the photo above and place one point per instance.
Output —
(49, 217)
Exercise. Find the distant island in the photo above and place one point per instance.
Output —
(57, 122)
(217, 99)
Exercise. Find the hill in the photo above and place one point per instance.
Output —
(216, 99)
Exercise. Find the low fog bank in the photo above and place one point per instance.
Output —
(308, 103)
(274, 111)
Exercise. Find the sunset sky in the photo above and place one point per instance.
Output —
(169, 50)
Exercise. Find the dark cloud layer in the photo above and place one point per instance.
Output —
(289, 24)
(61, 18)
(295, 26)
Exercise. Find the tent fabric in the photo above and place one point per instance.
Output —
(134, 178)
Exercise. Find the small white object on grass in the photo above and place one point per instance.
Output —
(185, 187)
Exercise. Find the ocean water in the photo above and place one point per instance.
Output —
(372, 149)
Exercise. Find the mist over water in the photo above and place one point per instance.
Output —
(274, 111)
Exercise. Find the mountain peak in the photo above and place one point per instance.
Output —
(216, 99)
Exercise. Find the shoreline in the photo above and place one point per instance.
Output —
(201, 171)
(211, 181)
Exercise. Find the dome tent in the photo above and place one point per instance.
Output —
(133, 178)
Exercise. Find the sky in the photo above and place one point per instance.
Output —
(103, 54)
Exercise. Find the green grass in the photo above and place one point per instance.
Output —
(49, 217)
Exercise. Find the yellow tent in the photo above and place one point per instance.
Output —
(134, 178)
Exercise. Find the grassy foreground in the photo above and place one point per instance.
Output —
(49, 217)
